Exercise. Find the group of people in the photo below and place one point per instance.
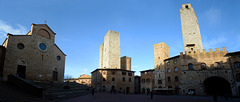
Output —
(124, 92)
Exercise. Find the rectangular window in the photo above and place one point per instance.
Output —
(123, 73)
(159, 81)
(129, 74)
(169, 79)
(130, 79)
(123, 79)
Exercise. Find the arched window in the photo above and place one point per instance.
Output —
(238, 77)
(176, 78)
(130, 80)
(190, 66)
(169, 79)
(236, 65)
(123, 79)
(159, 81)
(169, 70)
(176, 69)
(203, 66)
(113, 79)
(217, 65)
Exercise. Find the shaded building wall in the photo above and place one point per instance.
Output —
(2, 58)
(40, 65)
(137, 84)
(102, 80)
(147, 80)
(193, 78)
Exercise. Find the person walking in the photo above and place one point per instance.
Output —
(93, 92)
(151, 94)
(215, 98)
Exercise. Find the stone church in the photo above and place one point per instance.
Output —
(33, 56)
(195, 72)
(114, 73)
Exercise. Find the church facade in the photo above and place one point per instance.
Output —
(33, 56)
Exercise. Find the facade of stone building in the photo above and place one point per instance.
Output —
(83, 79)
(108, 80)
(195, 72)
(114, 73)
(147, 80)
(33, 56)
(126, 63)
(200, 73)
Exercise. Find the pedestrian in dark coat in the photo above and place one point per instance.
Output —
(215, 98)
(151, 93)
(93, 92)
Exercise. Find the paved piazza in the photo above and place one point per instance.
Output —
(107, 97)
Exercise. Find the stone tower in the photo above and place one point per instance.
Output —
(161, 52)
(101, 55)
(109, 56)
(126, 63)
(190, 29)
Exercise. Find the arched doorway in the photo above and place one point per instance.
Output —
(143, 90)
(113, 88)
(216, 86)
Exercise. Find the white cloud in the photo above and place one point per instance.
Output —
(7, 28)
(213, 16)
(212, 43)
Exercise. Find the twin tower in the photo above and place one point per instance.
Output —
(109, 54)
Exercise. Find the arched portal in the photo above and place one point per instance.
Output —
(216, 86)
(113, 88)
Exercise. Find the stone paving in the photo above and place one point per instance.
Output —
(107, 97)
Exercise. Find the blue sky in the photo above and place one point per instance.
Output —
(80, 26)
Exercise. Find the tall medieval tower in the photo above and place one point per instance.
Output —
(109, 54)
(190, 29)
(161, 52)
